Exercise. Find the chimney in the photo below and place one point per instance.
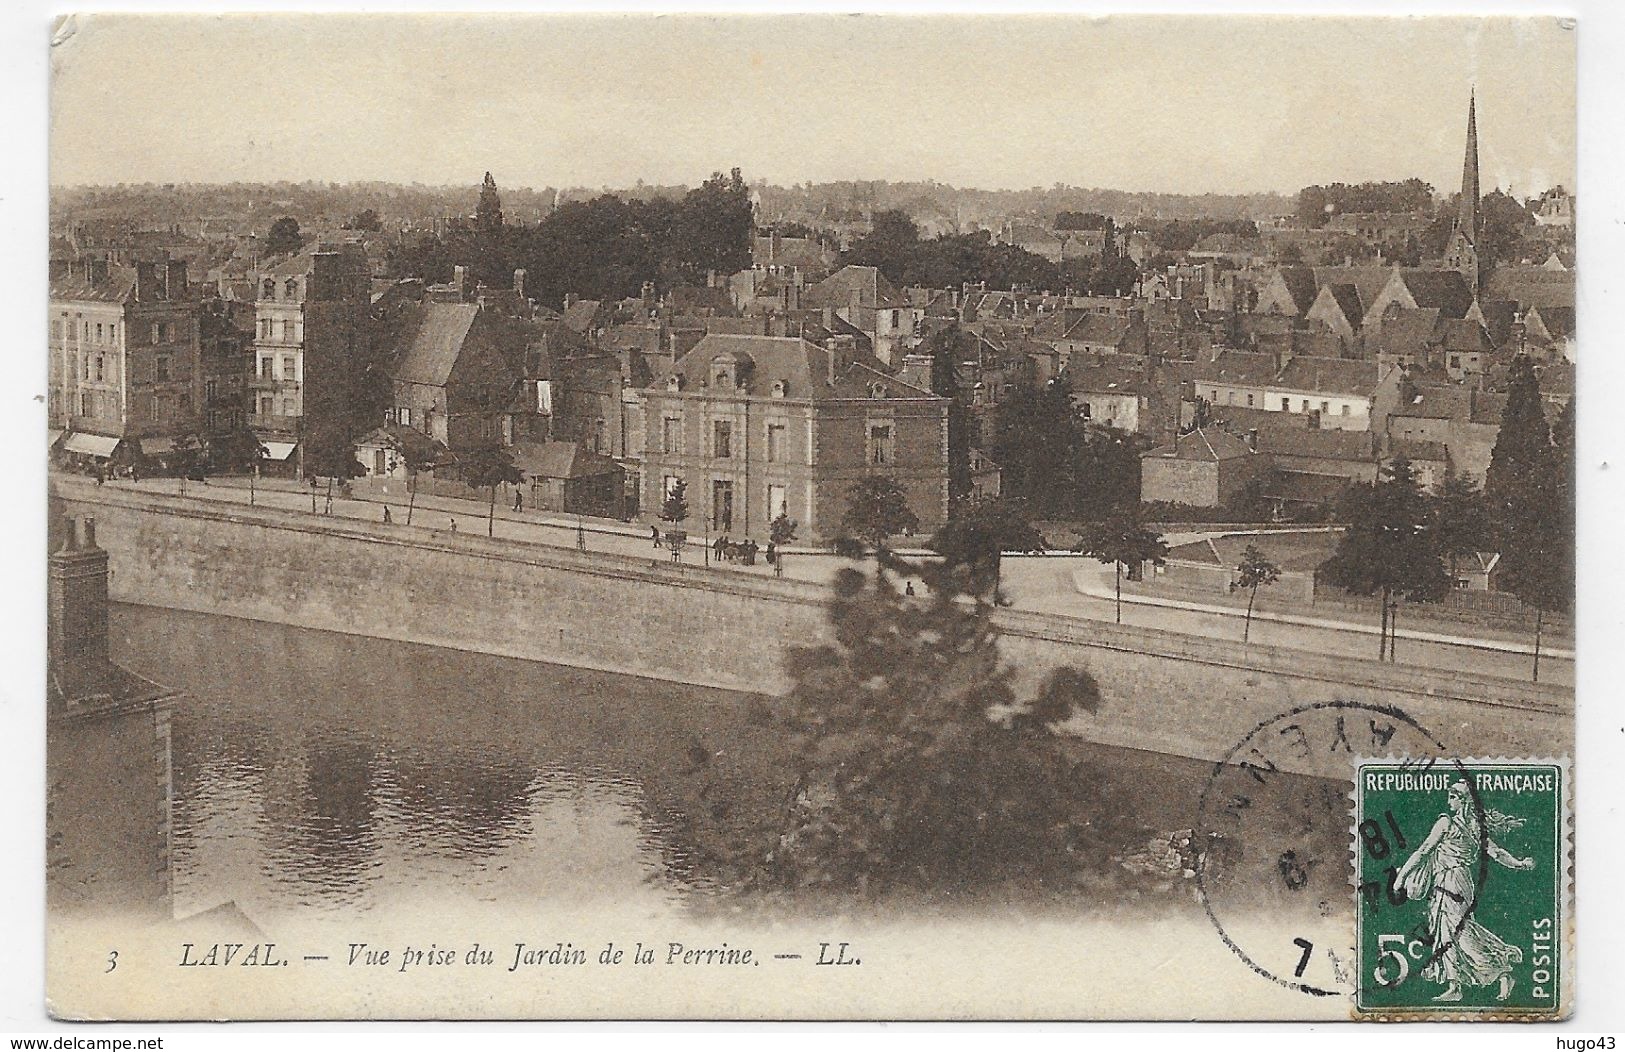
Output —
(773, 242)
(175, 279)
(519, 282)
(77, 612)
(829, 318)
(647, 293)
(459, 280)
(570, 298)
(146, 281)
(1252, 439)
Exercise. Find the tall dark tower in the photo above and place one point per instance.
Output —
(1463, 252)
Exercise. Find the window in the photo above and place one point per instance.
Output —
(775, 443)
(404, 415)
(157, 333)
(211, 389)
(896, 318)
(97, 370)
(267, 369)
(268, 289)
(1325, 407)
(287, 330)
(267, 406)
(1306, 405)
(112, 332)
(99, 336)
(288, 408)
(1213, 395)
(265, 328)
(1344, 409)
(1455, 361)
(880, 444)
(287, 367)
(1286, 405)
(162, 368)
(671, 435)
(1249, 401)
(56, 331)
(721, 438)
(667, 484)
(775, 502)
(290, 289)
(1230, 398)
(1088, 411)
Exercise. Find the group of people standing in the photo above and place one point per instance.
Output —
(742, 551)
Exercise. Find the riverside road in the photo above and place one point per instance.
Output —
(1062, 585)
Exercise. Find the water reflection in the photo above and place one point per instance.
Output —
(325, 773)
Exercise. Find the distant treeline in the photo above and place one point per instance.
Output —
(605, 248)
(1317, 204)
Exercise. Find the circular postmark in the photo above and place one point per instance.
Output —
(1274, 823)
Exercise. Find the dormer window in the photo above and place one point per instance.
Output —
(779, 390)
(674, 382)
(290, 288)
(877, 390)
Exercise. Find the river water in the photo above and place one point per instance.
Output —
(318, 775)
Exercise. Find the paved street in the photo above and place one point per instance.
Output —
(1044, 584)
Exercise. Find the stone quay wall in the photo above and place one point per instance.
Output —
(1163, 692)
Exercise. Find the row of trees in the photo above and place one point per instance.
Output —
(605, 248)
(1317, 204)
(1403, 544)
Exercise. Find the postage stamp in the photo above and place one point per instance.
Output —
(1462, 888)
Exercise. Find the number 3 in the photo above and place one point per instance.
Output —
(112, 960)
(1387, 944)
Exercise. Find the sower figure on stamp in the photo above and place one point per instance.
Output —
(1442, 872)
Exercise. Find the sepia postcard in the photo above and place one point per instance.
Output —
(811, 517)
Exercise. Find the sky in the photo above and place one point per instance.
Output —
(1178, 104)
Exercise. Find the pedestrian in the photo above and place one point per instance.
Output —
(454, 524)
(908, 588)
(101, 474)
(518, 500)
(654, 535)
(720, 546)
(387, 519)
(327, 508)
(135, 476)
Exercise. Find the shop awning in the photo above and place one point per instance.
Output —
(278, 450)
(52, 437)
(157, 447)
(90, 445)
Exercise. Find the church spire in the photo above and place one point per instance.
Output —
(1467, 213)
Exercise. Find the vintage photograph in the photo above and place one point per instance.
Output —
(831, 517)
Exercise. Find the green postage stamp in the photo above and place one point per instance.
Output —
(1462, 901)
